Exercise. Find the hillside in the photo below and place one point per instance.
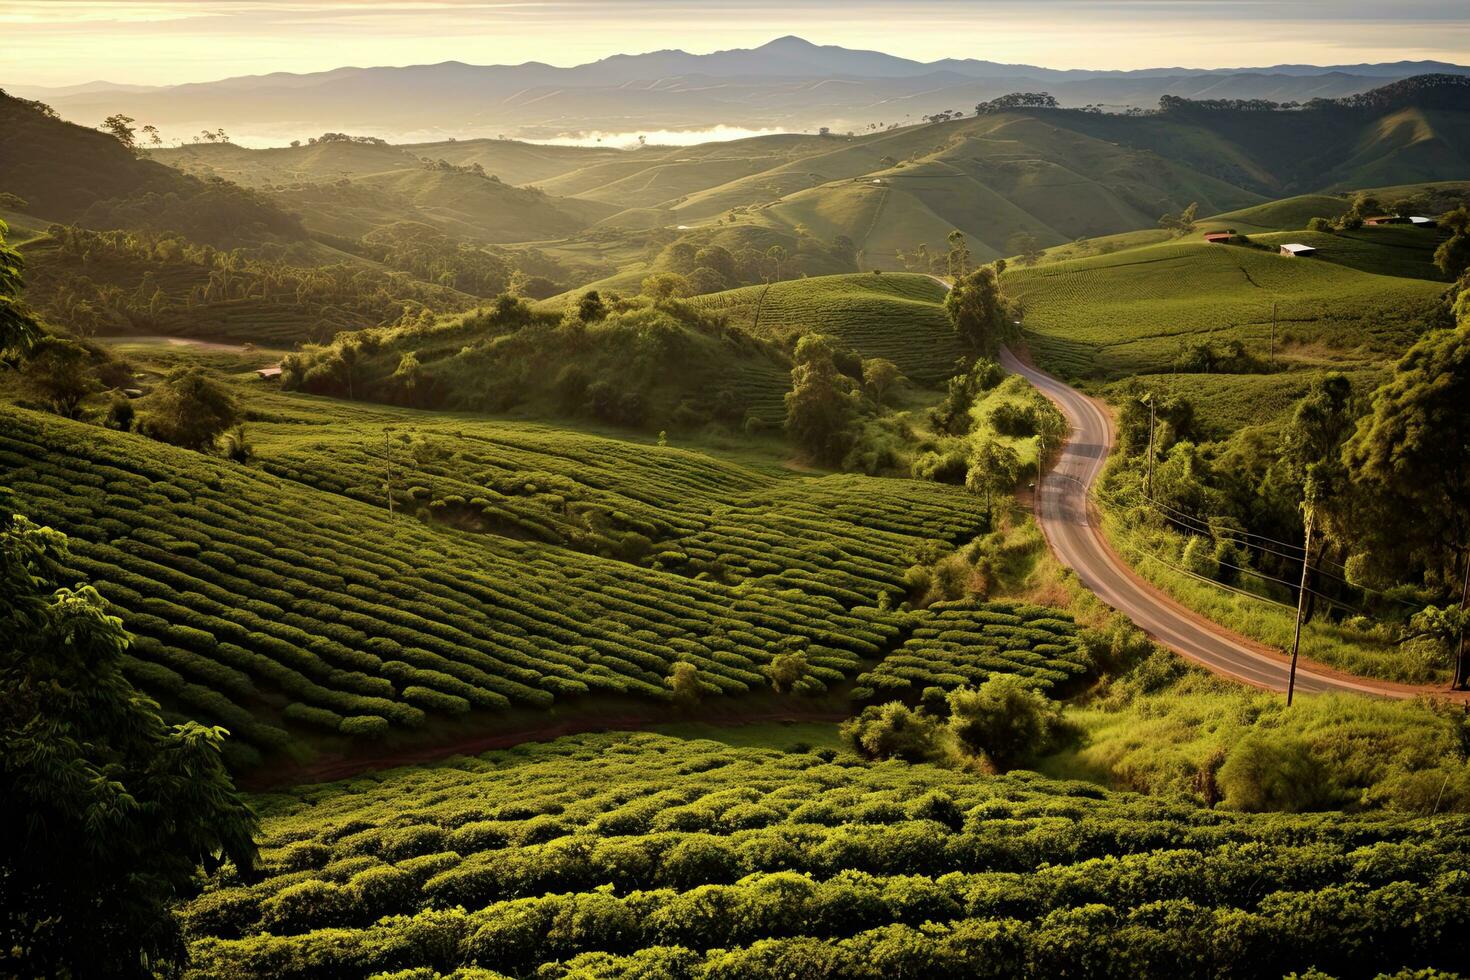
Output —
(897, 316)
(527, 565)
(67, 173)
(1136, 311)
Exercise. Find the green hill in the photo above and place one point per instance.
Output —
(642, 365)
(1135, 311)
(526, 565)
(897, 316)
(71, 174)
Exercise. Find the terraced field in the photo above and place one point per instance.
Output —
(1133, 312)
(650, 856)
(524, 565)
(899, 316)
(962, 644)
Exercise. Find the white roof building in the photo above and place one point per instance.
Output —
(1297, 249)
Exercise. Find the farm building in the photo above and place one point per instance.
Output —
(1385, 219)
(1219, 237)
(1420, 221)
(270, 373)
(1297, 250)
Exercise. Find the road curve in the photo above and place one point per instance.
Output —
(1066, 520)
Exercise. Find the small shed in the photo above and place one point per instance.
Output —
(1384, 219)
(1219, 237)
(1420, 221)
(272, 373)
(1297, 250)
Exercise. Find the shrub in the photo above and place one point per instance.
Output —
(1005, 718)
(893, 731)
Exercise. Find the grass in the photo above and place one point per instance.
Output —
(1265, 621)
(1168, 730)
(1133, 312)
(615, 854)
(897, 316)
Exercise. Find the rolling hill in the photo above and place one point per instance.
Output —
(897, 316)
(70, 174)
(1135, 311)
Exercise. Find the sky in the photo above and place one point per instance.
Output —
(64, 42)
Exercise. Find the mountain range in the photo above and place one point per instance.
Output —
(788, 84)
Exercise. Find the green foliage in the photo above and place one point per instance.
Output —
(820, 407)
(1412, 453)
(1005, 718)
(190, 408)
(642, 855)
(106, 811)
(979, 312)
(893, 731)
(58, 375)
(18, 329)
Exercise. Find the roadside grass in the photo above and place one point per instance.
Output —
(1265, 621)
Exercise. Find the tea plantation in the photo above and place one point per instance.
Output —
(280, 600)
(650, 856)
(899, 316)
(1134, 311)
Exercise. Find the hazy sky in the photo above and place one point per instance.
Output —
(59, 42)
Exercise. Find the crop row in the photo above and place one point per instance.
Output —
(251, 594)
(623, 850)
(962, 644)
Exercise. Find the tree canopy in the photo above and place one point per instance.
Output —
(977, 309)
(106, 812)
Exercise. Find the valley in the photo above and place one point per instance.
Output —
(815, 554)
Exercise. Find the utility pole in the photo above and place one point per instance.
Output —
(1273, 333)
(388, 466)
(1301, 605)
(1148, 487)
(1460, 672)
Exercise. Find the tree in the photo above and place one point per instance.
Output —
(978, 312)
(590, 307)
(1412, 453)
(190, 409)
(1024, 244)
(59, 375)
(1181, 223)
(121, 128)
(994, 470)
(893, 731)
(151, 132)
(819, 406)
(683, 680)
(958, 260)
(18, 329)
(1004, 718)
(1453, 255)
(666, 286)
(776, 253)
(106, 812)
(879, 376)
(787, 671)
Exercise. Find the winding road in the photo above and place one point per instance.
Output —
(1067, 521)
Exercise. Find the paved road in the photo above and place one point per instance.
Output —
(1063, 512)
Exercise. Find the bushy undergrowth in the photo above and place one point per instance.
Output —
(1164, 727)
(642, 855)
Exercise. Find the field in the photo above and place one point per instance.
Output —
(962, 644)
(646, 855)
(524, 565)
(897, 316)
(1134, 311)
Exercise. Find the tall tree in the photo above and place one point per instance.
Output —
(18, 329)
(978, 312)
(106, 813)
(1412, 453)
(958, 260)
(994, 470)
(819, 406)
(121, 127)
